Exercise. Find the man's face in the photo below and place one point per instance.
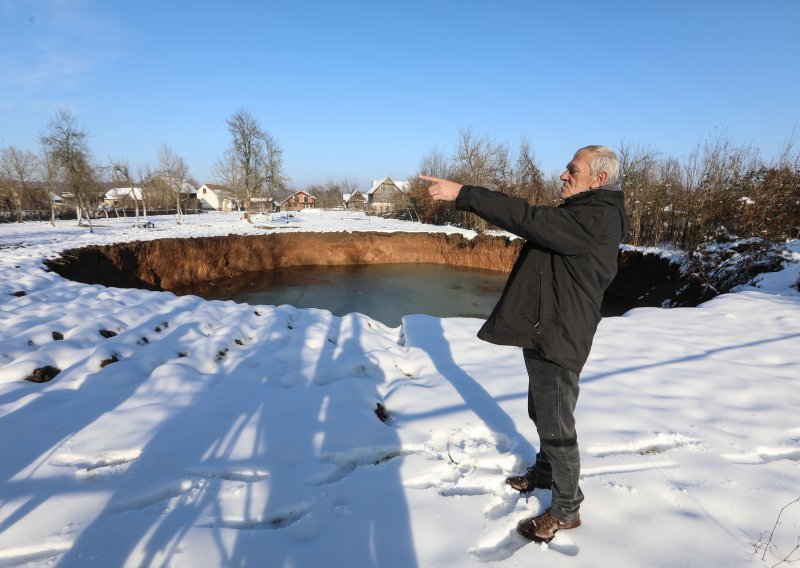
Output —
(577, 178)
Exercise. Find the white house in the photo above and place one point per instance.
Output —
(216, 197)
(122, 196)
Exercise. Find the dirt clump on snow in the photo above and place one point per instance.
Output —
(43, 374)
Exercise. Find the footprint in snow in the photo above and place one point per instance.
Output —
(510, 542)
(766, 455)
(106, 462)
(276, 521)
(657, 444)
(345, 463)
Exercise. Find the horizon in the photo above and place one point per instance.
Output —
(361, 92)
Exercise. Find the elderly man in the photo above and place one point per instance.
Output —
(551, 307)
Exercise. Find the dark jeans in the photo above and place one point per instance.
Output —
(552, 396)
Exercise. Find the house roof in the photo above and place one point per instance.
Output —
(298, 193)
(116, 193)
(215, 187)
(348, 196)
(402, 185)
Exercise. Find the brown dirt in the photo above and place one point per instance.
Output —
(171, 263)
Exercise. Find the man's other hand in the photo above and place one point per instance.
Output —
(442, 189)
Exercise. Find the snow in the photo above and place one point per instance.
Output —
(233, 435)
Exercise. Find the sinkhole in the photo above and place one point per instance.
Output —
(383, 275)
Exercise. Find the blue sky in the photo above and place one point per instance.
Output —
(362, 90)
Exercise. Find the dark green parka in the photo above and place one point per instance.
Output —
(551, 301)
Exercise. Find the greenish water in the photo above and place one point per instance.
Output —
(385, 292)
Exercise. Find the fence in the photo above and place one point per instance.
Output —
(7, 216)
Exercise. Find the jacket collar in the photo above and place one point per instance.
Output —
(589, 193)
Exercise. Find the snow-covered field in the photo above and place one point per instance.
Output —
(219, 434)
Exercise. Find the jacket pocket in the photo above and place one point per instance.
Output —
(536, 301)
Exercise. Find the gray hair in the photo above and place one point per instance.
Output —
(604, 159)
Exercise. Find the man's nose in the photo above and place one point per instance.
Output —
(564, 176)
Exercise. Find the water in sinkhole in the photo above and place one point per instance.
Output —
(384, 292)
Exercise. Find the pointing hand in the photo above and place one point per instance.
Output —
(442, 189)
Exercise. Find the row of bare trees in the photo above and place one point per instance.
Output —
(477, 160)
(66, 172)
(330, 195)
(64, 165)
(719, 188)
(165, 186)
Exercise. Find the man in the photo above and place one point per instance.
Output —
(551, 307)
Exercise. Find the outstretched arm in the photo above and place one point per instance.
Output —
(442, 189)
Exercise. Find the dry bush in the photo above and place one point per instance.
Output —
(477, 160)
(719, 189)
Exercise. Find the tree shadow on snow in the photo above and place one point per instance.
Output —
(259, 466)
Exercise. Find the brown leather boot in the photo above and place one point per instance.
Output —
(544, 527)
(530, 480)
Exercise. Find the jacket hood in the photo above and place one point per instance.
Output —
(615, 193)
(612, 193)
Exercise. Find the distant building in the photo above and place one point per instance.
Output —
(355, 200)
(384, 194)
(299, 200)
(122, 196)
(216, 198)
(263, 205)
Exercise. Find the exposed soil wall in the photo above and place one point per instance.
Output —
(171, 263)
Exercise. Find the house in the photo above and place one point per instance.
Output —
(216, 198)
(263, 205)
(35, 201)
(355, 200)
(122, 196)
(299, 200)
(385, 193)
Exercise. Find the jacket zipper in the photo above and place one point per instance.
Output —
(539, 315)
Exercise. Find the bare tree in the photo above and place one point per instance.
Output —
(66, 146)
(479, 160)
(253, 164)
(526, 177)
(17, 167)
(121, 172)
(640, 181)
(435, 164)
(331, 194)
(49, 170)
(174, 173)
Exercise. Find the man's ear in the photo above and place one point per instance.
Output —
(600, 180)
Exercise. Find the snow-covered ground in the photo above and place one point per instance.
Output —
(235, 435)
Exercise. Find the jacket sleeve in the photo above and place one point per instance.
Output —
(565, 231)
